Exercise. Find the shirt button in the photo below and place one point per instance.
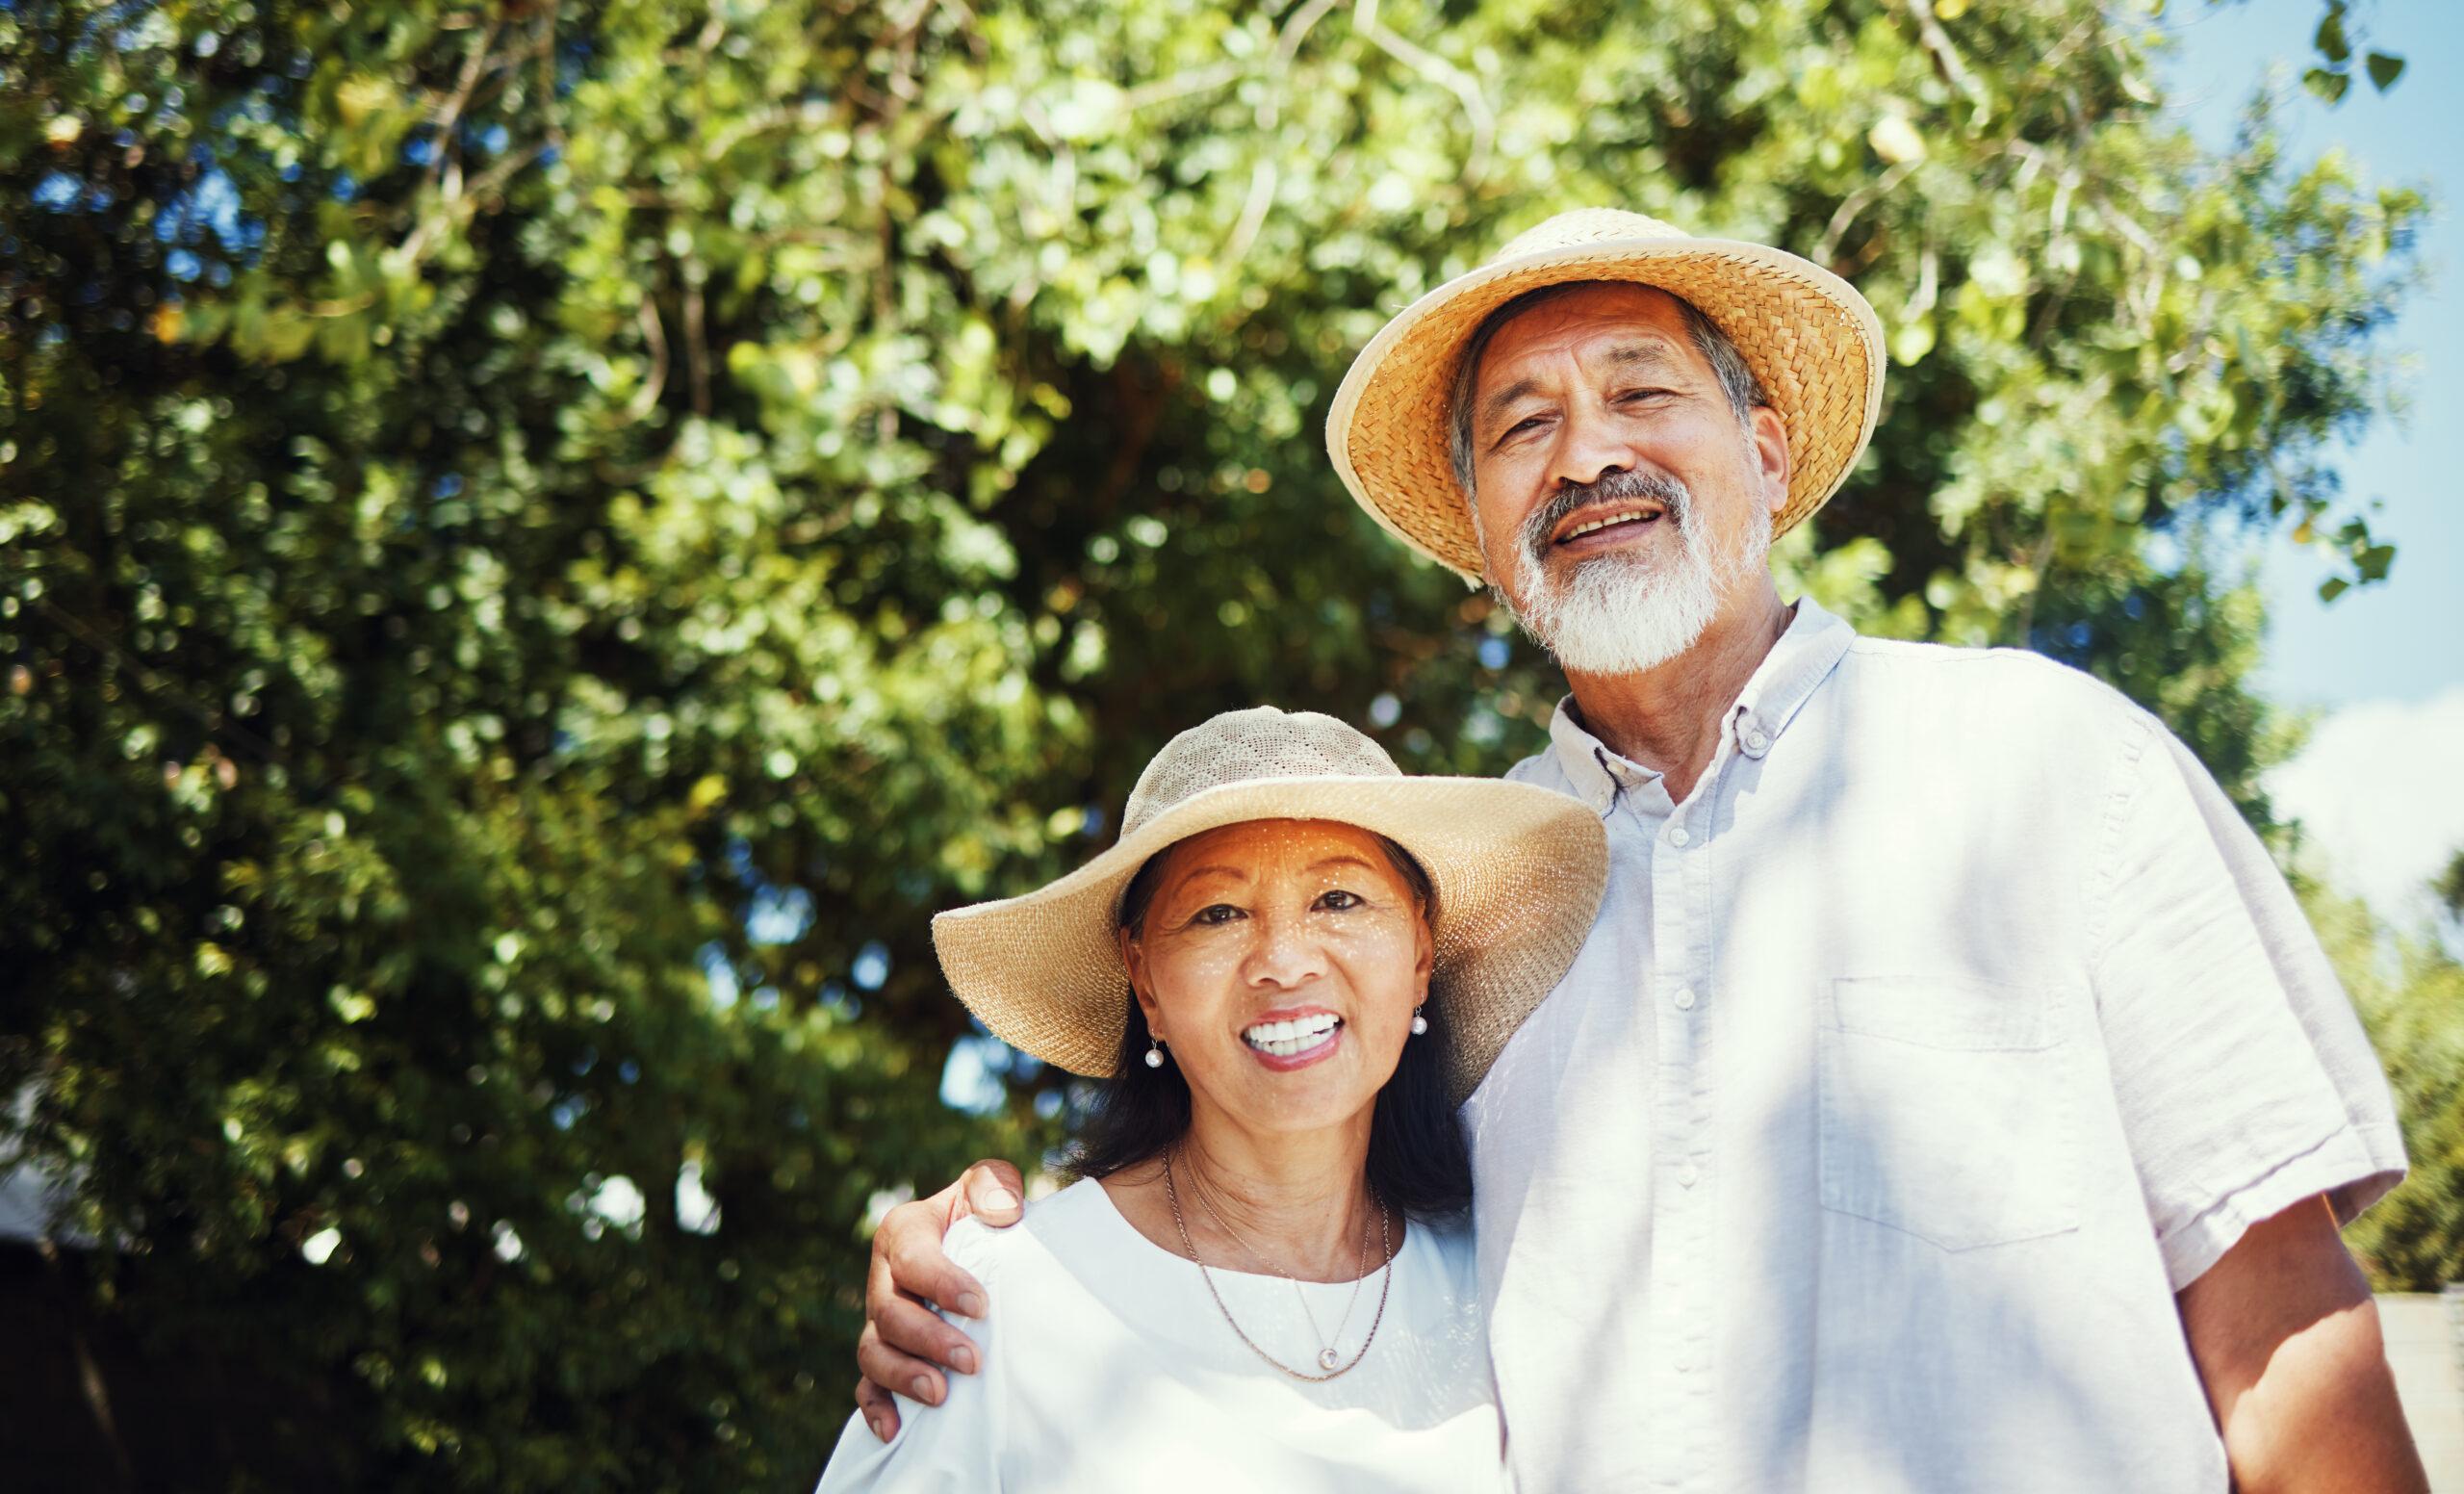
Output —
(1684, 999)
(1677, 837)
(1755, 741)
(1688, 1175)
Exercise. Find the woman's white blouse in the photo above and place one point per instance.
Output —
(1107, 1366)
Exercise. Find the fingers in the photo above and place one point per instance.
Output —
(886, 1364)
(887, 1368)
(994, 1192)
(905, 1345)
(922, 1342)
(908, 1264)
(879, 1410)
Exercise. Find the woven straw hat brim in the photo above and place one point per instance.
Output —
(1519, 872)
(1811, 340)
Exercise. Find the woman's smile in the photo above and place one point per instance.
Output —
(1285, 1040)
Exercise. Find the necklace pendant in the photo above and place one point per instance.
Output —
(1327, 1358)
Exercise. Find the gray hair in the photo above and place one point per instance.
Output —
(1736, 380)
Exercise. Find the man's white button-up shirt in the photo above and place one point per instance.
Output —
(1952, 1024)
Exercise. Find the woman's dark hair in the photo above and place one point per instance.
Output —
(1417, 1160)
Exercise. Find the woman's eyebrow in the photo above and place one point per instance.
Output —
(1345, 859)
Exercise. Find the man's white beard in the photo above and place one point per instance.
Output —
(1623, 613)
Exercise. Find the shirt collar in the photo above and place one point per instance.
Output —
(1803, 657)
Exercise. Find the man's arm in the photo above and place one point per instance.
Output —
(2286, 1339)
(903, 1340)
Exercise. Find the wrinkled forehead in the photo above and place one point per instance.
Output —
(1261, 848)
(1597, 324)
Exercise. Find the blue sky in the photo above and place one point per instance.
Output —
(2376, 790)
(2397, 641)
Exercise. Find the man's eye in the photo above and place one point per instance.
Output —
(1523, 427)
(1632, 394)
(1338, 900)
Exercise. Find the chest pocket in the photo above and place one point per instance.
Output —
(1949, 1108)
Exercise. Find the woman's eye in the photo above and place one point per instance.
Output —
(1217, 913)
(1338, 900)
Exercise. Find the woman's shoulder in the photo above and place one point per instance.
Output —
(1063, 1226)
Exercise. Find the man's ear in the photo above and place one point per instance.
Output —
(1772, 460)
(1479, 541)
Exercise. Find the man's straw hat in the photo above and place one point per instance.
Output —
(1808, 335)
(1518, 871)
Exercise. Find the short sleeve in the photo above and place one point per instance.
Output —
(2245, 1081)
(952, 1448)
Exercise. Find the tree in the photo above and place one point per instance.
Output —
(2410, 992)
(541, 543)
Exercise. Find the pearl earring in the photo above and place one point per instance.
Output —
(1420, 1023)
(1154, 1052)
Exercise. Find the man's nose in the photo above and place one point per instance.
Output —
(1589, 448)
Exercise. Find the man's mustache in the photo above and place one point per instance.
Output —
(1614, 487)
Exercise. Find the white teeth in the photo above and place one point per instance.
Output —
(1283, 1039)
(1602, 524)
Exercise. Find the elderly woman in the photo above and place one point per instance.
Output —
(1289, 971)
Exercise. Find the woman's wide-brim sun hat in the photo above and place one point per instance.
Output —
(1517, 872)
(1811, 340)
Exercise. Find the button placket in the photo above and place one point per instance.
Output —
(1682, 1295)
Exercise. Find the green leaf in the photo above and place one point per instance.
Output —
(2384, 69)
(2330, 38)
(2329, 86)
(2332, 587)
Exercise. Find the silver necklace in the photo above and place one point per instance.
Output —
(1327, 1359)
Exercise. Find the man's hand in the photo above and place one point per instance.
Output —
(2287, 1343)
(903, 1340)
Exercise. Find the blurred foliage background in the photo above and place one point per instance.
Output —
(539, 542)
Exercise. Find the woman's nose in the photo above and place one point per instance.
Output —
(1283, 954)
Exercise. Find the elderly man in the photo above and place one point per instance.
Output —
(1950, 1095)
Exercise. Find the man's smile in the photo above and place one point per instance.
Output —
(1602, 528)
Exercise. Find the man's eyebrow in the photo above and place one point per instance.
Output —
(1655, 355)
(1497, 404)
(1652, 354)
